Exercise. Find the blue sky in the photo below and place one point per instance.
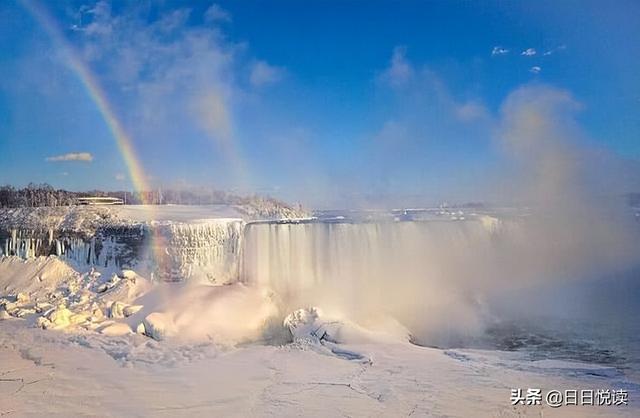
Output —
(313, 101)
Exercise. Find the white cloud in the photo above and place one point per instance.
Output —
(263, 73)
(400, 70)
(554, 50)
(72, 156)
(215, 13)
(176, 76)
(535, 69)
(120, 177)
(173, 20)
(99, 19)
(498, 50)
(529, 52)
(471, 111)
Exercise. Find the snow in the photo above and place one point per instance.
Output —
(35, 277)
(114, 329)
(176, 213)
(158, 326)
(275, 320)
(131, 375)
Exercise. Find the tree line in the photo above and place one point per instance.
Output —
(37, 195)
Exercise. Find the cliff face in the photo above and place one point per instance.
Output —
(99, 236)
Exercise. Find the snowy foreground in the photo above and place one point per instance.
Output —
(202, 311)
(57, 374)
(120, 346)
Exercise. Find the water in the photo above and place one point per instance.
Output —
(544, 338)
(446, 279)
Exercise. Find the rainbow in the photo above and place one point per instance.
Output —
(99, 98)
(95, 93)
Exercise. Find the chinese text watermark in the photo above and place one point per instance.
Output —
(556, 398)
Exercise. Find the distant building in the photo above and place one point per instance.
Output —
(97, 200)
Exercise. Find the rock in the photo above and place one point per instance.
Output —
(127, 274)
(22, 298)
(72, 288)
(131, 309)
(60, 317)
(303, 322)
(4, 315)
(83, 297)
(140, 329)
(22, 312)
(117, 310)
(96, 314)
(11, 307)
(43, 306)
(158, 326)
(43, 323)
(78, 318)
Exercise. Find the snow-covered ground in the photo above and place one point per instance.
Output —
(57, 374)
(206, 350)
(178, 213)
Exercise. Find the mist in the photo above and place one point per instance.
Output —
(447, 281)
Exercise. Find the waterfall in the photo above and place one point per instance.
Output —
(423, 273)
(286, 255)
(427, 275)
(208, 250)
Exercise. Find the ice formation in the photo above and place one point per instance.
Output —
(426, 280)
(104, 272)
(169, 250)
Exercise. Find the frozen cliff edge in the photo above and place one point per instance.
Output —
(170, 242)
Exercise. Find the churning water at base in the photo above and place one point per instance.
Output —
(442, 280)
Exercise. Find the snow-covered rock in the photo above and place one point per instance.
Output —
(127, 274)
(131, 309)
(158, 326)
(60, 317)
(4, 314)
(115, 329)
(303, 323)
(309, 328)
(43, 322)
(116, 310)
